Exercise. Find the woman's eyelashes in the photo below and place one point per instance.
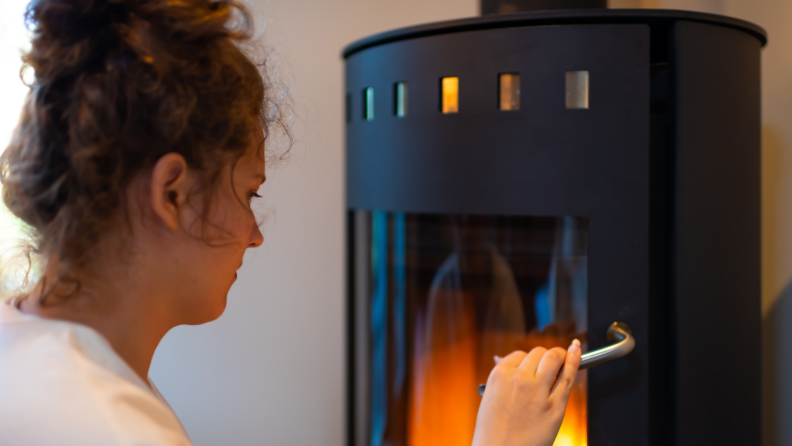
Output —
(252, 195)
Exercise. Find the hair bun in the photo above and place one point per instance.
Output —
(75, 19)
(69, 36)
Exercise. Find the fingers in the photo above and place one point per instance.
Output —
(531, 361)
(566, 379)
(549, 366)
(512, 360)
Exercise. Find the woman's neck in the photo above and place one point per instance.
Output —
(130, 314)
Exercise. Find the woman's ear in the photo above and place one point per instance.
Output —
(169, 187)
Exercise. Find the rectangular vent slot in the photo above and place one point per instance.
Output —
(577, 89)
(450, 95)
(509, 85)
(400, 92)
(368, 104)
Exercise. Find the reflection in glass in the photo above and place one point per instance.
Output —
(450, 94)
(447, 293)
(509, 86)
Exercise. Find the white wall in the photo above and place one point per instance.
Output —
(270, 370)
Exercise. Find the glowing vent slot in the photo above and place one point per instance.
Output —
(450, 95)
(509, 84)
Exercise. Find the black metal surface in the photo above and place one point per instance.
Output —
(662, 120)
(511, 6)
(541, 160)
(652, 17)
(717, 287)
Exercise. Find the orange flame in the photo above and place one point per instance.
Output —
(442, 406)
(444, 413)
(444, 402)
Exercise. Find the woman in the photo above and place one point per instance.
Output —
(139, 150)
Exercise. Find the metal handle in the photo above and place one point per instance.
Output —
(619, 333)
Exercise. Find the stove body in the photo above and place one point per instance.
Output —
(524, 179)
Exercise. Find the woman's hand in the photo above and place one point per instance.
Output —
(524, 403)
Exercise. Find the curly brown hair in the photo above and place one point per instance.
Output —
(118, 84)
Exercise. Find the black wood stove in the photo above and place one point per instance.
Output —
(525, 179)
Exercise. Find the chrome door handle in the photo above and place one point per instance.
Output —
(620, 334)
(623, 343)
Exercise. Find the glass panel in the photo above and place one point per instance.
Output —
(368, 104)
(509, 84)
(401, 99)
(577, 89)
(447, 293)
(450, 95)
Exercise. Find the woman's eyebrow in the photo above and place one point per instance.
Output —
(262, 176)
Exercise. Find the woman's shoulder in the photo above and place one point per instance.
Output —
(61, 383)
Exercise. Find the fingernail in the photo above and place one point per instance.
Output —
(574, 347)
(497, 359)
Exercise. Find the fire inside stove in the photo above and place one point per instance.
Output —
(446, 293)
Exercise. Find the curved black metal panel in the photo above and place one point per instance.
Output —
(718, 207)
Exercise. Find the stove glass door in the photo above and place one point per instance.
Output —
(436, 297)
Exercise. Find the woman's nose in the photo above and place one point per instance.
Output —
(256, 237)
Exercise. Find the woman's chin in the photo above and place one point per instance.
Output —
(221, 306)
(211, 311)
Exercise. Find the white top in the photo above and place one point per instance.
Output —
(62, 384)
